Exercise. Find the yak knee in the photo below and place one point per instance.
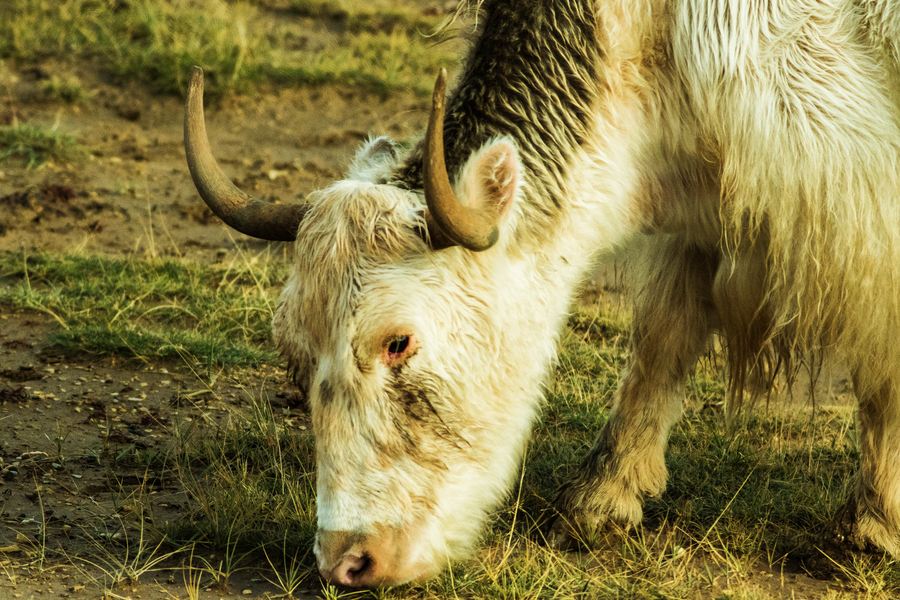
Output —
(627, 462)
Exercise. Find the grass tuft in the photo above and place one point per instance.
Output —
(67, 89)
(149, 309)
(36, 144)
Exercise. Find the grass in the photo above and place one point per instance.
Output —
(743, 498)
(251, 485)
(239, 45)
(149, 309)
(66, 89)
(35, 145)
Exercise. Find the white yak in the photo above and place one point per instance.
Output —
(745, 153)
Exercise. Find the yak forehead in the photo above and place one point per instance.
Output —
(352, 231)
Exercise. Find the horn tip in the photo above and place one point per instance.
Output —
(197, 77)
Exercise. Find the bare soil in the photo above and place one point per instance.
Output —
(65, 418)
(133, 193)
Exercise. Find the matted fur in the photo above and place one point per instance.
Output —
(783, 117)
(743, 155)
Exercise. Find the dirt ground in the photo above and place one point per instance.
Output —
(62, 418)
(133, 193)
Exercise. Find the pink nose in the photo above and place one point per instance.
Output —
(352, 570)
(353, 559)
(378, 559)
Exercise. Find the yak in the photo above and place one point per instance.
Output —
(743, 154)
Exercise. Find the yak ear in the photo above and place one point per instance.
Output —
(490, 179)
(375, 154)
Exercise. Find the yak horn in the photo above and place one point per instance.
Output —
(251, 216)
(449, 222)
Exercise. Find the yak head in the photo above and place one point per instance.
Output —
(396, 322)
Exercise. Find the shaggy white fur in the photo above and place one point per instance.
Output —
(765, 138)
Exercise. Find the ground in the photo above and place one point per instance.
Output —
(133, 193)
(64, 419)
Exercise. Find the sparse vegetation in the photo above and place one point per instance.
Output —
(157, 43)
(36, 144)
(149, 309)
(256, 490)
(67, 89)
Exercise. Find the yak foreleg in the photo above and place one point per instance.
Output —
(870, 518)
(673, 310)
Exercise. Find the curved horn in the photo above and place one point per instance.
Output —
(449, 222)
(251, 216)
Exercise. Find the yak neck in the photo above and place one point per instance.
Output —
(531, 75)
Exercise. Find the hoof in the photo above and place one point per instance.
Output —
(843, 534)
(569, 535)
(560, 534)
(839, 543)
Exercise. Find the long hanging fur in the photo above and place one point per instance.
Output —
(807, 128)
(793, 108)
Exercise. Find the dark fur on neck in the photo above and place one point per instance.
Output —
(531, 75)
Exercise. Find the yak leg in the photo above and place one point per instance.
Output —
(627, 464)
(871, 516)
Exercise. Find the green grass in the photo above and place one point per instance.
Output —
(67, 89)
(742, 497)
(156, 42)
(35, 144)
(251, 485)
(148, 309)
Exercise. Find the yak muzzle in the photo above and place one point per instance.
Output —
(384, 558)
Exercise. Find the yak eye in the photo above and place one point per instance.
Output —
(399, 345)
(398, 348)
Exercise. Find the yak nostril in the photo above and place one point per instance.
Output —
(353, 569)
(361, 566)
